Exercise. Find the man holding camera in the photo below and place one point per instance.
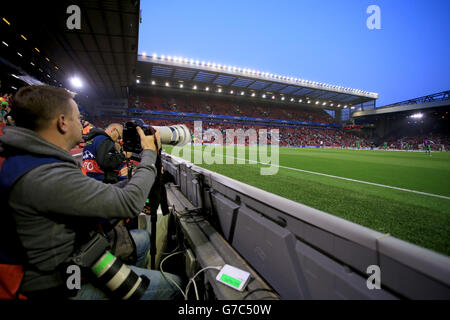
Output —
(101, 159)
(44, 222)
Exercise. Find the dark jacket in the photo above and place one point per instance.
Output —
(50, 202)
(100, 157)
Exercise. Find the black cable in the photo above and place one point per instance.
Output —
(261, 289)
(188, 216)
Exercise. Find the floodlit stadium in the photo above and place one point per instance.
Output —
(304, 186)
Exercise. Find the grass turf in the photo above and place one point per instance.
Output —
(416, 218)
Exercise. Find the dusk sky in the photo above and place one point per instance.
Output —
(326, 41)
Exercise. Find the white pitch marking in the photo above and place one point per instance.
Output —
(349, 179)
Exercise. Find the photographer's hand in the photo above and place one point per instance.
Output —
(148, 142)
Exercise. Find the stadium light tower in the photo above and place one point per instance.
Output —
(76, 82)
(417, 115)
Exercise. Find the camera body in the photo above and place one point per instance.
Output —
(131, 138)
(175, 135)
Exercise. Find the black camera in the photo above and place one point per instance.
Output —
(176, 135)
(131, 138)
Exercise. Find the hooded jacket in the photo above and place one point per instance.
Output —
(50, 203)
(101, 160)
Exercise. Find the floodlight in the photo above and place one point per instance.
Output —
(76, 82)
(417, 116)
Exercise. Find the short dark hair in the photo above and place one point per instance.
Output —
(34, 106)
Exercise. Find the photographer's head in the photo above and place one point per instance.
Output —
(115, 131)
(49, 111)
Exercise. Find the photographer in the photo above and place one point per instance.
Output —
(44, 222)
(101, 159)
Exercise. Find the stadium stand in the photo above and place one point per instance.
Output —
(215, 107)
(289, 136)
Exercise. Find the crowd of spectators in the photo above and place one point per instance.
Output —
(288, 136)
(5, 111)
(215, 107)
(438, 142)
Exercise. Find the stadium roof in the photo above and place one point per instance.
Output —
(437, 100)
(37, 43)
(36, 39)
(187, 74)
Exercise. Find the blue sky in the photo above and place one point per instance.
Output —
(325, 41)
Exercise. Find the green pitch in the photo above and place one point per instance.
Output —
(417, 218)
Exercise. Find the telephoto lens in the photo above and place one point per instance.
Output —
(177, 135)
(121, 282)
(119, 279)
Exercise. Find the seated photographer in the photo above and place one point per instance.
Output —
(44, 224)
(101, 159)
